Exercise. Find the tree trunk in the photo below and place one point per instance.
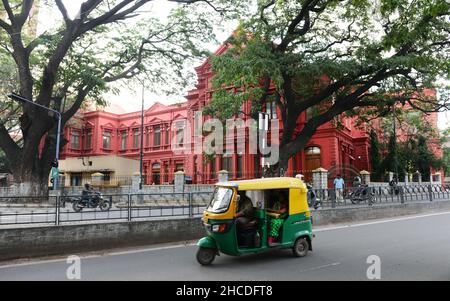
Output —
(31, 171)
(289, 150)
(31, 187)
(283, 162)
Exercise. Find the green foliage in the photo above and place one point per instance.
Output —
(446, 161)
(4, 166)
(77, 60)
(411, 156)
(354, 57)
(375, 156)
(208, 157)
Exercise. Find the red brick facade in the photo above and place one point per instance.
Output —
(344, 151)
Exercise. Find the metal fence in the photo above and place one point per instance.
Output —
(124, 207)
(379, 195)
(22, 211)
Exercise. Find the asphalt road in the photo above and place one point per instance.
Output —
(412, 248)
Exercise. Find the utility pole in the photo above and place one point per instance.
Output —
(55, 164)
(142, 141)
(395, 145)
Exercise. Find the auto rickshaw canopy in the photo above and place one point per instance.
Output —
(297, 190)
(266, 184)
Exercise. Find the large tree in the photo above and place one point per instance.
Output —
(79, 58)
(329, 57)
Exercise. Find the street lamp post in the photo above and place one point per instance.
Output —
(58, 135)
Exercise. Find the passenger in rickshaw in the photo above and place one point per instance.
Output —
(279, 213)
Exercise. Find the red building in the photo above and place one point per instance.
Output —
(97, 134)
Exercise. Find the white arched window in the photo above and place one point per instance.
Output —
(313, 150)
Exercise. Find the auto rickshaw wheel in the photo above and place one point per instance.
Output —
(301, 247)
(205, 256)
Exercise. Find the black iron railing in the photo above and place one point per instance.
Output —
(58, 210)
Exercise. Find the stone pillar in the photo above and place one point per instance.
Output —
(438, 178)
(320, 178)
(391, 176)
(419, 177)
(135, 180)
(222, 176)
(365, 177)
(179, 181)
(406, 179)
(97, 179)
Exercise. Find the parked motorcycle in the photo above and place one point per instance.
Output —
(92, 201)
(362, 193)
(313, 200)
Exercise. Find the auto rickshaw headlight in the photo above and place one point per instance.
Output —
(219, 228)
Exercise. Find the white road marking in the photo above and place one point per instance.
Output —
(96, 256)
(321, 267)
(380, 222)
(151, 249)
(42, 262)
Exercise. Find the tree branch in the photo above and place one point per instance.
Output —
(26, 8)
(5, 26)
(82, 93)
(113, 15)
(63, 11)
(7, 143)
(8, 10)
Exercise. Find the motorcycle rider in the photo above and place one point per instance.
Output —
(87, 193)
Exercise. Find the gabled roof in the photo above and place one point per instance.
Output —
(108, 125)
(155, 119)
(179, 116)
(157, 106)
(220, 50)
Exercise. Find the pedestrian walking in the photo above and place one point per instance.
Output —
(339, 188)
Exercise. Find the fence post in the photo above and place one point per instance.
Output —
(129, 207)
(430, 192)
(333, 199)
(191, 209)
(57, 202)
(402, 195)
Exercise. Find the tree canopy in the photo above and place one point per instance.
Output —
(79, 58)
(330, 57)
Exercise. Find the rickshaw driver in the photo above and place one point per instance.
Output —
(245, 210)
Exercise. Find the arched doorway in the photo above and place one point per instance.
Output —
(156, 174)
(312, 161)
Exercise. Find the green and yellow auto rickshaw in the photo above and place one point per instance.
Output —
(226, 235)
